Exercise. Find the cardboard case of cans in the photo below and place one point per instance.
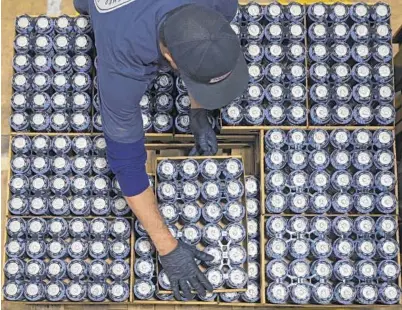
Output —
(316, 226)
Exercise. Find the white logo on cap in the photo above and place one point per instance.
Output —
(219, 78)
(104, 6)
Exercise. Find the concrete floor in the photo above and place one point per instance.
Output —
(13, 8)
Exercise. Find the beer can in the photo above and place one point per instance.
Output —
(22, 63)
(382, 32)
(76, 291)
(364, 202)
(318, 12)
(82, 43)
(340, 32)
(144, 246)
(99, 249)
(56, 248)
(118, 291)
(253, 31)
(253, 11)
(34, 291)
(16, 227)
(294, 11)
(18, 205)
(63, 24)
(55, 291)
(119, 249)
(366, 270)
(383, 72)
(296, 52)
(381, 12)
(44, 24)
(119, 270)
(78, 228)
(382, 52)
(360, 12)
(22, 43)
(59, 205)
(144, 268)
(56, 269)
(62, 43)
(277, 292)
(144, 289)
(14, 269)
(365, 248)
(43, 43)
(322, 269)
(318, 32)
(322, 293)
(299, 248)
(36, 248)
(388, 270)
(82, 24)
(275, 53)
(24, 24)
(389, 293)
(338, 12)
(13, 290)
(345, 293)
(275, 72)
(387, 248)
(319, 52)
(367, 293)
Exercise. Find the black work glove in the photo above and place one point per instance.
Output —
(181, 269)
(204, 136)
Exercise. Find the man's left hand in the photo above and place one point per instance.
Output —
(204, 136)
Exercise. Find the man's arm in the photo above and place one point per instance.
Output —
(81, 6)
(122, 122)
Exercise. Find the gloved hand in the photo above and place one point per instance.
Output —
(205, 137)
(181, 269)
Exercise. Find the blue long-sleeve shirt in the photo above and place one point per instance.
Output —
(127, 44)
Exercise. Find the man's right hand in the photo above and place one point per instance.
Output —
(181, 269)
(204, 136)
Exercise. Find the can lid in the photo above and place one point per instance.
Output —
(42, 22)
(32, 289)
(23, 22)
(61, 41)
(274, 10)
(275, 50)
(82, 22)
(22, 41)
(81, 41)
(41, 41)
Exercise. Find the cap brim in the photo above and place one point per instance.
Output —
(215, 96)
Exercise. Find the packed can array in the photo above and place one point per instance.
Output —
(202, 202)
(350, 64)
(75, 259)
(273, 39)
(330, 171)
(52, 82)
(61, 176)
(327, 260)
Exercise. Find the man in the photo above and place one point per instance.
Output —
(132, 38)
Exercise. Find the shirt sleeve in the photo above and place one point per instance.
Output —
(122, 126)
(81, 6)
(227, 8)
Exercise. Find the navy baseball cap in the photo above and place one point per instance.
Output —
(207, 53)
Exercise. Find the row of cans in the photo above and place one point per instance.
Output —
(43, 24)
(317, 32)
(146, 290)
(60, 164)
(324, 226)
(191, 169)
(319, 139)
(42, 101)
(321, 202)
(76, 248)
(57, 269)
(211, 212)
(54, 291)
(59, 228)
(61, 184)
(257, 52)
(61, 205)
(61, 144)
(79, 62)
(317, 12)
(50, 83)
(344, 293)
(47, 44)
